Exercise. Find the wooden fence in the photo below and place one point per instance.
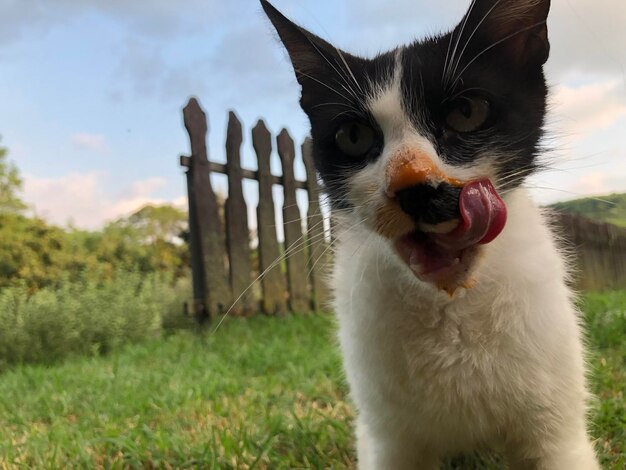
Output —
(222, 259)
(599, 250)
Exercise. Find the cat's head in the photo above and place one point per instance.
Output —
(401, 139)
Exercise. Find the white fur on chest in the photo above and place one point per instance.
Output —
(456, 373)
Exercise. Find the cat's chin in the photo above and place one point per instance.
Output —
(447, 269)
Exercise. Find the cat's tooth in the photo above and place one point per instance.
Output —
(441, 228)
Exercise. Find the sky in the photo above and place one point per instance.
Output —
(91, 91)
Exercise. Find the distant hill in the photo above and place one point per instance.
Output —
(611, 208)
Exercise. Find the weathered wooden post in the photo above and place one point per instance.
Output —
(272, 281)
(294, 239)
(199, 306)
(211, 292)
(237, 232)
(317, 255)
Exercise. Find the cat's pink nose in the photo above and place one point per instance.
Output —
(413, 168)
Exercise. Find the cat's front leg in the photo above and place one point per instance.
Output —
(388, 449)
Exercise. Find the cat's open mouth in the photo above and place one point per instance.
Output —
(446, 259)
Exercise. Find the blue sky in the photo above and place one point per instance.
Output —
(92, 91)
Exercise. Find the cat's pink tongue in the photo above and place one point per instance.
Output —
(444, 258)
(483, 216)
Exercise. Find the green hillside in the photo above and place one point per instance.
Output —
(611, 208)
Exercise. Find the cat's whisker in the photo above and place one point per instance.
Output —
(506, 38)
(333, 104)
(485, 16)
(332, 244)
(445, 62)
(345, 63)
(574, 193)
(447, 72)
(343, 113)
(519, 170)
(462, 92)
(318, 211)
(299, 245)
(286, 222)
(344, 76)
(422, 89)
(456, 44)
(300, 72)
(347, 87)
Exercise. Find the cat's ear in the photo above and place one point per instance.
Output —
(314, 60)
(516, 27)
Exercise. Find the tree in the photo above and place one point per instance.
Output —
(36, 254)
(159, 223)
(152, 239)
(10, 186)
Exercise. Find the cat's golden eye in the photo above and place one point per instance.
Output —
(355, 139)
(468, 114)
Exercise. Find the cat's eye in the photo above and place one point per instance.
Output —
(468, 114)
(355, 139)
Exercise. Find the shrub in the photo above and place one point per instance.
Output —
(86, 316)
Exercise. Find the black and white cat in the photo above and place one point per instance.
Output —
(457, 329)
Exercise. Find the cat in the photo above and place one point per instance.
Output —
(457, 328)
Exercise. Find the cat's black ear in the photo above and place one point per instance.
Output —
(314, 60)
(516, 27)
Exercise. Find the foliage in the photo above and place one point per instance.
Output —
(84, 316)
(10, 186)
(261, 392)
(154, 223)
(611, 209)
(37, 254)
(150, 239)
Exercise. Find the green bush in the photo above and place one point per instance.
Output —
(86, 316)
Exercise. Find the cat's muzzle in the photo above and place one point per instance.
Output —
(450, 219)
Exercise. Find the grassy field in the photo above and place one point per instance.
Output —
(261, 392)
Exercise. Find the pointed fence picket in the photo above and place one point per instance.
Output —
(290, 274)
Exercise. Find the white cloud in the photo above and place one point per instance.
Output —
(588, 156)
(144, 188)
(145, 71)
(153, 18)
(80, 198)
(587, 37)
(75, 197)
(89, 142)
(594, 182)
(581, 110)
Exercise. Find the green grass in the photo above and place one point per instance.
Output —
(260, 393)
(605, 316)
(259, 390)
